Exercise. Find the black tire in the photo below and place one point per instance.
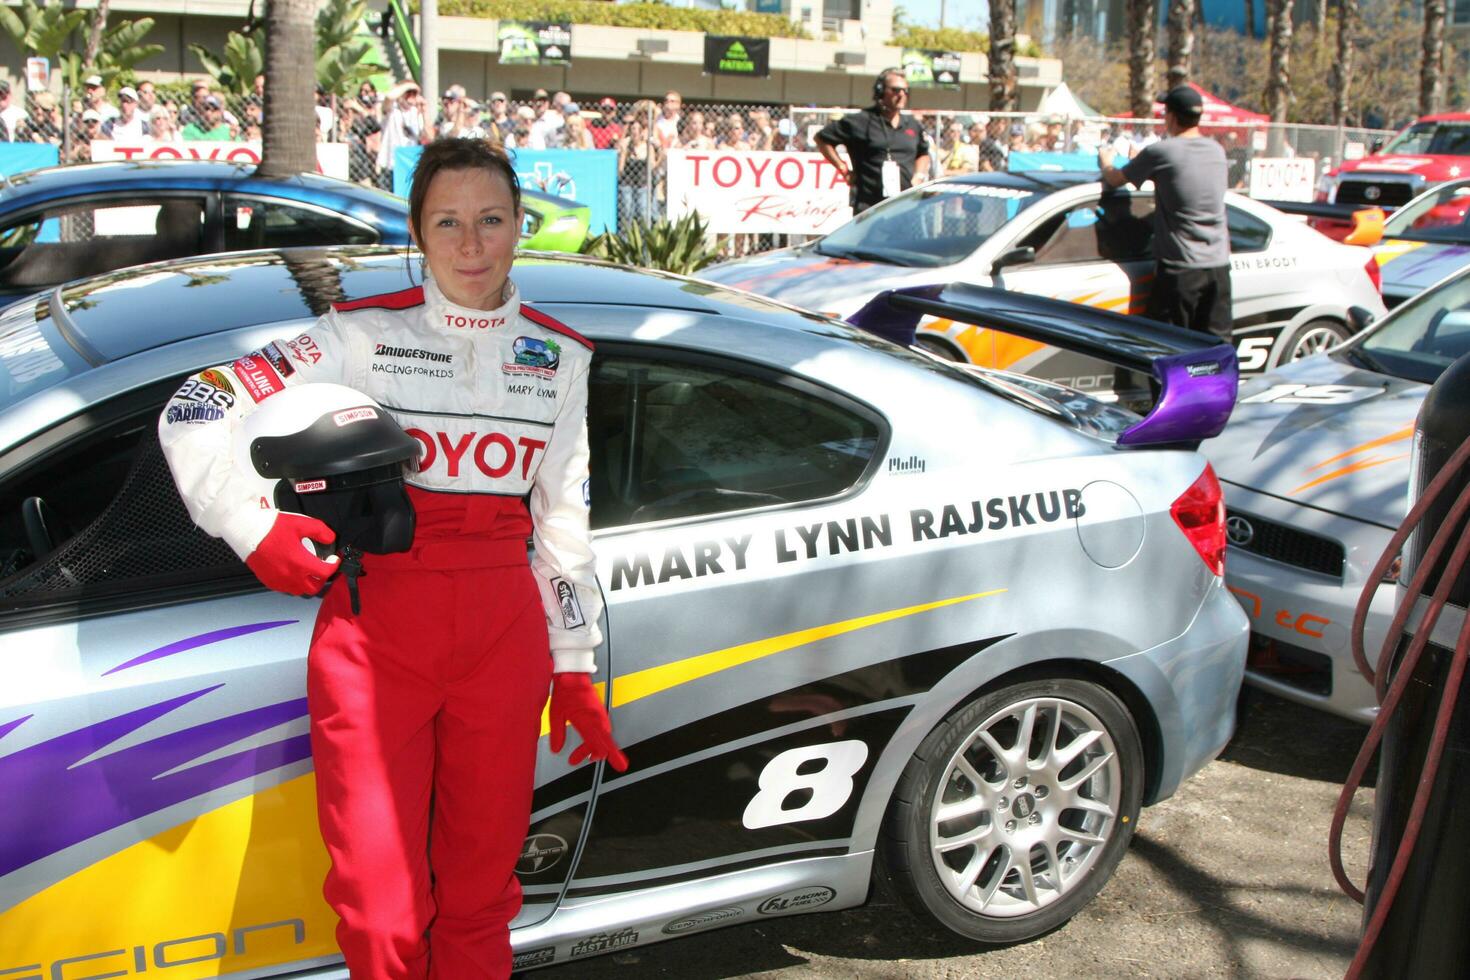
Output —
(1310, 338)
(938, 347)
(1074, 869)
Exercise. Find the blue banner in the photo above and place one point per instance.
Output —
(588, 177)
(1019, 162)
(18, 157)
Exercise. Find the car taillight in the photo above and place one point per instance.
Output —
(1200, 514)
(1375, 273)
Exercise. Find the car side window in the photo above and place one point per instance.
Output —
(68, 241)
(673, 439)
(1114, 228)
(260, 222)
(100, 519)
(1247, 232)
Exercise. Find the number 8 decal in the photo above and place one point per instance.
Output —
(830, 786)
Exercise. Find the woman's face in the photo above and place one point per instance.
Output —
(469, 231)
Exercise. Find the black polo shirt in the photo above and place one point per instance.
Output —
(869, 141)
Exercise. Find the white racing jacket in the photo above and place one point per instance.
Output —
(498, 399)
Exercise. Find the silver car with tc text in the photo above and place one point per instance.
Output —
(842, 638)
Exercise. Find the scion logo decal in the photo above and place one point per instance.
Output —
(793, 901)
(183, 951)
(533, 957)
(532, 356)
(1239, 530)
(601, 942)
(703, 920)
(541, 852)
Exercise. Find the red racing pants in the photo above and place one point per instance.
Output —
(432, 695)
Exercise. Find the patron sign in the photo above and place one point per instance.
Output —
(748, 56)
(331, 158)
(758, 192)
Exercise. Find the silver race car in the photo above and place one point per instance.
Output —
(1061, 235)
(867, 612)
(1316, 466)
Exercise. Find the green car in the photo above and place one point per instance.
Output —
(553, 224)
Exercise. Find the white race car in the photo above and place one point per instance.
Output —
(1316, 466)
(1062, 235)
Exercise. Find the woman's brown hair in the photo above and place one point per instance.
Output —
(453, 153)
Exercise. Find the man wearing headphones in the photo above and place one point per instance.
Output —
(886, 146)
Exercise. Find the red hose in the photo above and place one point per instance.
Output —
(1390, 694)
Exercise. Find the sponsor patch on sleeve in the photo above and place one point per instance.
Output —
(304, 349)
(259, 379)
(571, 609)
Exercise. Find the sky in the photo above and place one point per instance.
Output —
(958, 13)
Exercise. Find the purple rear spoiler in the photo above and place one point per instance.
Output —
(1197, 374)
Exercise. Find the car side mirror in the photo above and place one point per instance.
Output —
(1359, 318)
(1367, 227)
(1016, 256)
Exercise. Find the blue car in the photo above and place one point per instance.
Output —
(64, 223)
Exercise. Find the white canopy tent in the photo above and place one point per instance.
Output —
(1061, 102)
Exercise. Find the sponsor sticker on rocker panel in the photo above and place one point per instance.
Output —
(795, 901)
(310, 486)
(354, 415)
(571, 609)
(703, 920)
(602, 942)
(533, 957)
(541, 852)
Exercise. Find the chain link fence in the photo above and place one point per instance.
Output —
(359, 136)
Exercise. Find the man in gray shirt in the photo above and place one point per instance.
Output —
(1191, 241)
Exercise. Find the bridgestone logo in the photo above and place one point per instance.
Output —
(384, 350)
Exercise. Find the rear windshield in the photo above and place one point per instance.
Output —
(33, 355)
(938, 224)
(1440, 215)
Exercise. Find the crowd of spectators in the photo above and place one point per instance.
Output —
(375, 124)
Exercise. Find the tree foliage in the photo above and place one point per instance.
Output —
(655, 16)
(60, 36)
(233, 69)
(1385, 69)
(955, 39)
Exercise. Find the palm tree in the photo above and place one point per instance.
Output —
(1250, 19)
(1180, 28)
(1342, 68)
(1003, 55)
(287, 134)
(1431, 68)
(1140, 16)
(94, 36)
(1278, 76)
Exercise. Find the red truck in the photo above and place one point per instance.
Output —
(1430, 151)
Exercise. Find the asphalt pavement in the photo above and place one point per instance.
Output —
(1227, 878)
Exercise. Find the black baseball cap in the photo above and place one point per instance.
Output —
(1182, 100)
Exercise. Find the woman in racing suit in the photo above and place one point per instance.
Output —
(435, 690)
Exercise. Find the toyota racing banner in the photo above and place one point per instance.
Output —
(331, 158)
(763, 192)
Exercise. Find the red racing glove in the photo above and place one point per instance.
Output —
(575, 702)
(285, 562)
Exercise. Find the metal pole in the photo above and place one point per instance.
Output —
(65, 122)
(429, 60)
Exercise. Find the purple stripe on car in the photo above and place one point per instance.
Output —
(52, 803)
(11, 726)
(203, 639)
